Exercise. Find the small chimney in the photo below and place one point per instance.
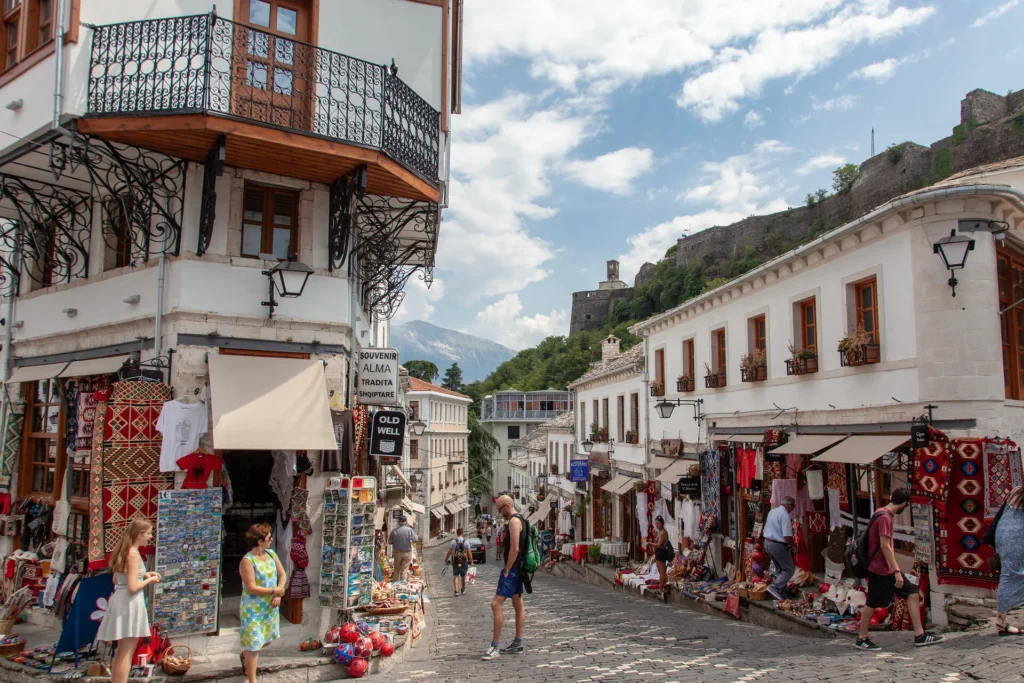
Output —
(610, 349)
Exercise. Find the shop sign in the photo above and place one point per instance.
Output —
(579, 470)
(377, 377)
(689, 486)
(919, 437)
(387, 434)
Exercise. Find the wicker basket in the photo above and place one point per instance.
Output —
(180, 663)
(387, 611)
(757, 596)
(12, 648)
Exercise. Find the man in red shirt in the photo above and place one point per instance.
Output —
(885, 580)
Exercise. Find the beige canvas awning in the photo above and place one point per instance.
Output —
(437, 512)
(413, 506)
(806, 444)
(379, 520)
(35, 373)
(661, 462)
(539, 514)
(397, 471)
(463, 506)
(95, 366)
(270, 404)
(862, 449)
(452, 508)
(740, 438)
(672, 474)
(617, 481)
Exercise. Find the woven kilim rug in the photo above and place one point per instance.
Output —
(929, 484)
(97, 556)
(960, 557)
(11, 450)
(1003, 473)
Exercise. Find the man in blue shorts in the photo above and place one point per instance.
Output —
(510, 582)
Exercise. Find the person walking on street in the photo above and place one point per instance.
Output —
(402, 540)
(778, 542)
(510, 581)
(663, 553)
(461, 558)
(886, 580)
(1009, 542)
(499, 539)
(263, 584)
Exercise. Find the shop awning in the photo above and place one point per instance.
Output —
(617, 481)
(463, 506)
(397, 471)
(35, 373)
(661, 462)
(379, 521)
(452, 508)
(437, 512)
(539, 514)
(672, 474)
(863, 449)
(94, 366)
(269, 404)
(740, 438)
(413, 506)
(807, 444)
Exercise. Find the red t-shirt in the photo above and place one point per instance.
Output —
(882, 526)
(198, 467)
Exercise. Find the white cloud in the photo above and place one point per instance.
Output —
(879, 71)
(821, 162)
(739, 45)
(753, 120)
(503, 322)
(841, 103)
(613, 172)
(420, 301)
(737, 187)
(995, 14)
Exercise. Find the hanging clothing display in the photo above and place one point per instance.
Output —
(834, 509)
(661, 509)
(746, 467)
(815, 485)
(1003, 473)
(198, 468)
(711, 486)
(283, 539)
(282, 477)
(181, 424)
(641, 512)
(299, 588)
(344, 434)
(690, 517)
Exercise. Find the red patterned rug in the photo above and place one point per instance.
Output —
(961, 558)
(1003, 472)
(929, 484)
(97, 556)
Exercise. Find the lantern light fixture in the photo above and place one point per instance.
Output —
(953, 251)
(288, 278)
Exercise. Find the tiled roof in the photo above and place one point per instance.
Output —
(1015, 162)
(420, 385)
(534, 441)
(563, 421)
(625, 360)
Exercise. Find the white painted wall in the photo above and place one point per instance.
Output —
(599, 390)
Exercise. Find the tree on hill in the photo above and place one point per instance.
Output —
(422, 369)
(453, 378)
(481, 447)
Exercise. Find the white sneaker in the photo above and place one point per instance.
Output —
(492, 653)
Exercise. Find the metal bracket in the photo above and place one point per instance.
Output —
(213, 168)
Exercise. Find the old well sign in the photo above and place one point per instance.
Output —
(387, 435)
(377, 379)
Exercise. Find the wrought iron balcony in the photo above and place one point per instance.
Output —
(204, 64)
(457, 457)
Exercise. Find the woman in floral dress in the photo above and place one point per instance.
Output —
(263, 581)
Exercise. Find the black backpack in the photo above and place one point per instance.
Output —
(460, 554)
(855, 557)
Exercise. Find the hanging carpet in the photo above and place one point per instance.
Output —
(929, 484)
(1002, 473)
(11, 451)
(711, 484)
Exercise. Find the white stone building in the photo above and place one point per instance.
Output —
(162, 157)
(438, 459)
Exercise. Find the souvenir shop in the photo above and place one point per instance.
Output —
(838, 481)
(89, 446)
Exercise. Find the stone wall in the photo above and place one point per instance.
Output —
(590, 308)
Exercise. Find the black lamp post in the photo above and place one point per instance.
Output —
(953, 250)
(665, 407)
(587, 445)
(289, 279)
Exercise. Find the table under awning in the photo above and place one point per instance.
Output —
(270, 404)
(617, 482)
(808, 444)
(679, 469)
(94, 366)
(863, 449)
(436, 512)
(35, 373)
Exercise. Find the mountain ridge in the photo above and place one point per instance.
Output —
(420, 340)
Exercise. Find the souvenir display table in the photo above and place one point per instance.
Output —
(614, 548)
(579, 552)
(567, 549)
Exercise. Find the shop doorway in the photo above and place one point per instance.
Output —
(253, 502)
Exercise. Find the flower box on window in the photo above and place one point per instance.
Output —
(714, 380)
(685, 384)
(865, 354)
(658, 388)
(754, 374)
(801, 366)
(632, 437)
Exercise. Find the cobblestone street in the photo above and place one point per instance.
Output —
(576, 632)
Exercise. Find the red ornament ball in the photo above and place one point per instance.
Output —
(881, 613)
(358, 667)
(363, 647)
(824, 588)
(758, 556)
(349, 633)
(376, 639)
(387, 649)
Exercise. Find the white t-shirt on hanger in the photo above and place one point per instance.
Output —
(181, 425)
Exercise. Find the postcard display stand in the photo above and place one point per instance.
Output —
(188, 555)
(350, 511)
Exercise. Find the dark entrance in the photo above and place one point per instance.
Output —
(253, 502)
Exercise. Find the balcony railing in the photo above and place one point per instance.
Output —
(457, 457)
(865, 354)
(206, 64)
(757, 373)
(521, 414)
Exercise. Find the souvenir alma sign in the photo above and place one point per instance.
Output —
(387, 434)
(377, 377)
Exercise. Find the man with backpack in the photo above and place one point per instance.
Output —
(514, 577)
(461, 558)
(885, 579)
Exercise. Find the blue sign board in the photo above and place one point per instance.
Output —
(579, 470)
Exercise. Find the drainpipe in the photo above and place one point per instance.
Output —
(353, 304)
(58, 76)
(647, 407)
(158, 342)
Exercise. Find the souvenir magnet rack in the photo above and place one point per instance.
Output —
(348, 551)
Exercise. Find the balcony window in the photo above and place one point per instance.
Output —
(269, 222)
(620, 418)
(513, 432)
(1010, 269)
(40, 18)
(12, 31)
(867, 308)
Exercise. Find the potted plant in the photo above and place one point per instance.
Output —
(594, 431)
(658, 387)
(593, 553)
(856, 348)
(684, 383)
(801, 361)
(754, 366)
(632, 437)
(602, 435)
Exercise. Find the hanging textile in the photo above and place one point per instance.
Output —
(922, 520)
(1003, 473)
(652, 534)
(85, 418)
(300, 582)
(70, 397)
(759, 463)
(815, 485)
(746, 467)
(711, 485)
(282, 477)
(835, 514)
(96, 554)
(671, 447)
(961, 559)
(641, 513)
(837, 481)
(929, 483)
(661, 509)
(11, 451)
(344, 433)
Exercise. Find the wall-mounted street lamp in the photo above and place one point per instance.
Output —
(418, 427)
(666, 406)
(289, 279)
(953, 250)
(588, 445)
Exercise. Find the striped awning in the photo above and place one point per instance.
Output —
(452, 508)
(437, 512)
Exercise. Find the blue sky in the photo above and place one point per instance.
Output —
(598, 129)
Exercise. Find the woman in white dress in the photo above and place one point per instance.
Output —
(127, 619)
